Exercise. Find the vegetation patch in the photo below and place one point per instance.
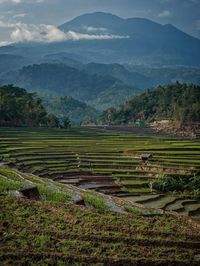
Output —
(107, 162)
(185, 184)
(96, 202)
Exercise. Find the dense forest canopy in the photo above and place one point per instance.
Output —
(18, 107)
(176, 102)
(59, 80)
(78, 112)
(21, 108)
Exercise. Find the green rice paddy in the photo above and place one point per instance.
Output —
(107, 162)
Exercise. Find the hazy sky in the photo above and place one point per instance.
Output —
(24, 16)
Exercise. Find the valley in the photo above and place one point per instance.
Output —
(99, 133)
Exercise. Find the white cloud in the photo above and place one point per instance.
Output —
(76, 36)
(21, 32)
(164, 13)
(93, 29)
(21, 1)
(7, 24)
(22, 15)
(4, 43)
(37, 33)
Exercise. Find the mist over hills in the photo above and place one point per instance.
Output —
(62, 80)
(103, 61)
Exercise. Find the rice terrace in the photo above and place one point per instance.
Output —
(99, 133)
(103, 170)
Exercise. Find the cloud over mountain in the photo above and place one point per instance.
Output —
(21, 32)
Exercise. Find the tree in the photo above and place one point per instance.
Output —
(18, 107)
(52, 121)
(66, 122)
(176, 102)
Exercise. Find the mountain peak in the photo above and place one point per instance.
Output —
(96, 19)
(101, 14)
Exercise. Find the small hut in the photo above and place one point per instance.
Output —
(145, 157)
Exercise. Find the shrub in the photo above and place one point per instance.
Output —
(168, 183)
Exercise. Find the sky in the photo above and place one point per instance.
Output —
(28, 20)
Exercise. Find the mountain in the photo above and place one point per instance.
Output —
(98, 20)
(166, 75)
(11, 62)
(62, 80)
(78, 112)
(113, 96)
(119, 72)
(176, 102)
(144, 42)
(105, 38)
(63, 58)
(145, 77)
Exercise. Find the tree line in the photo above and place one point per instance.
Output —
(21, 108)
(176, 102)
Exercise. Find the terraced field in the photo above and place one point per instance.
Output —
(107, 162)
(71, 235)
(56, 230)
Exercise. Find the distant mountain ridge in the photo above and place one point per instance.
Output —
(128, 56)
(62, 80)
(132, 41)
(119, 72)
(99, 85)
(148, 43)
(78, 112)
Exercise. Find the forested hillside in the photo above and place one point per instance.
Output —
(62, 80)
(78, 112)
(18, 107)
(21, 108)
(177, 102)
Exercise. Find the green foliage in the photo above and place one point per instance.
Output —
(18, 107)
(66, 123)
(177, 102)
(95, 202)
(109, 116)
(52, 121)
(42, 241)
(91, 154)
(53, 196)
(67, 107)
(21, 108)
(132, 210)
(46, 233)
(11, 179)
(6, 185)
(178, 183)
(60, 80)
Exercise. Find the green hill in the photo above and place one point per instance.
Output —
(18, 107)
(176, 102)
(77, 111)
(62, 80)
